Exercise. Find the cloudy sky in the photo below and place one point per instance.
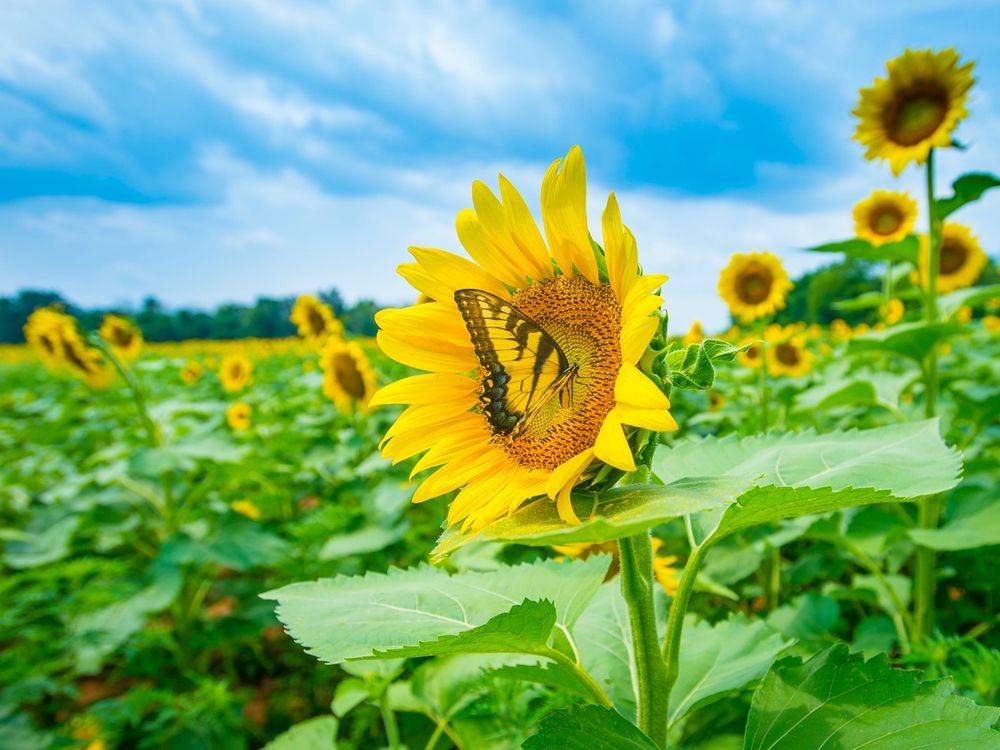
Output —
(213, 151)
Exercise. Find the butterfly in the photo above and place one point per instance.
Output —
(525, 367)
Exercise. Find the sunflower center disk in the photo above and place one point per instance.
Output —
(754, 285)
(787, 354)
(316, 322)
(952, 258)
(915, 115)
(584, 319)
(348, 376)
(887, 220)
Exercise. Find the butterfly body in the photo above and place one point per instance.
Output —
(524, 367)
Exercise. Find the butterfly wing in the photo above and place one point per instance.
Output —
(525, 366)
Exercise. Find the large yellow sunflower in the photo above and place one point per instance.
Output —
(532, 350)
(238, 415)
(235, 372)
(58, 340)
(786, 352)
(915, 108)
(122, 335)
(754, 285)
(885, 216)
(348, 377)
(961, 258)
(315, 320)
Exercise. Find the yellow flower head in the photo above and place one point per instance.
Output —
(786, 353)
(191, 372)
(551, 331)
(664, 570)
(754, 285)
(915, 108)
(238, 415)
(44, 334)
(991, 323)
(315, 320)
(58, 340)
(961, 258)
(752, 356)
(839, 330)
(348, 377)
(122, 335)
(885, 216)
(235, 372)
(694, 335)
(963, 314)
(246, 508)
(894, 312)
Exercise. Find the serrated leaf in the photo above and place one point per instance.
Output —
(587, 728)
(716, 660)
(838, 700)
(693, 367)
(319, 733)
(913, 340)
(906, 249)
(966, 189)
(336, 619)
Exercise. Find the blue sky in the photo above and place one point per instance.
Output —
(213, 151)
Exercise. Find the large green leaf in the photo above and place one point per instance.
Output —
(587, 728)
(976, 295)
(913, 340)
(44, 541)
(363, 541)
(855, 389)
(975, 524)
(906, 249)
(337, 619)
(319, 733)
(604, 638)
(719, 659)
(614, 514)
(693, 367)
(966, 189)
(837, 700)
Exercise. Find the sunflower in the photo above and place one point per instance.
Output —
(235, 372)
(585, 316)
(894, 311)
(664, 570)
(56, 337)
(839, 330)
(961, 258)
(663, 565)
(44, 333)
(315, 320)
(885, 216)
(191, 372)
(348, 377)
(246, 508)
(915, 108)
(754, 285)
(122, 335)
(751, 356)
(238, 416)
(991, 323)
(786, 353)
(694, 335)
(963, 314)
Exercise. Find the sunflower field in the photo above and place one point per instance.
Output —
(529, 513)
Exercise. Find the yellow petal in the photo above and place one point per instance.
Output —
(456, 272)
(456, 474)
(478, 243)
(524, 231)
(564, 505)
(635, 389)
(419, 353)
(619, 248)
(567, 473)
(611, 447)
(659, 420)
(635, 338)
(498, 224)
(564, 213)
(427, 389)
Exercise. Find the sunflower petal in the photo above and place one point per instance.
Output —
(611, 447)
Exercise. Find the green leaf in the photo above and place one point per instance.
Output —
(975, 524)
(693, 367)
(866, 301)
(838, 700)
(43, 543)
(948, 304)
(719, 659)
(238, 543)
(809, 617)
(604, 637)
(336, 619)
(319, 733)
(587, 728)
(913, 340)
(366, 540)
(614, 514)
(859, 389)
(525, 628)
(906, 249)
(966, 189)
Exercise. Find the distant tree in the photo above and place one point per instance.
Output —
(360, 318)
(14, 312)
(814, 292)
(334, 300)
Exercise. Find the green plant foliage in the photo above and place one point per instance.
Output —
(966, 189)
(587, 728)
(693, 367)
(313, 734)
(913, 340)
(905, 250)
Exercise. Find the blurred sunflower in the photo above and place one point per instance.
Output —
(122, 335)
(315, 320)
(963, 314)
(235, 372)
(694, 335)
(915, 108)
(191, 372)
(786, 352)
(754, 285)
(238, 415)
(551, 333)
(991, 323)
(961, 261)
(894, 311)
(664, 570)
(43, 332)
(885, 216)
(56, 337)
(751, 357)
(348, 377)
(246, 508)
(583, 550)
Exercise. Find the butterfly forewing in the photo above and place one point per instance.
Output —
(525, 366)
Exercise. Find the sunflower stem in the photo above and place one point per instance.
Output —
(636, 555)
(135, 389)
(762, 383)
(929, 507)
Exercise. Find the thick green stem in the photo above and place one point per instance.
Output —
(762, 383)
(636, 554)
(596, 691)
(929, 507)
(774, 580)
(886, 291)
(389, 720)
(678, 610)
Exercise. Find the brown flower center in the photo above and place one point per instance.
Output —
(753, 352)
(317, 324)
(914, 115)
(584, 319)
(121, 337)
(345, 370)
(953, 257)
(886, 219)
(754, 284)
(787, 354)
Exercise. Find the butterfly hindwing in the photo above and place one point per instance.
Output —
(525, 366)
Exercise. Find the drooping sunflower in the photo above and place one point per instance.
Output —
(532, 350)
(786, 352)
(961, 258)
(122, 335)
(885, 216)
(238, 416)
(56, 337)
(235, 372)
(754, 285)
(348, 377)
(915, 108)
(43, 332)
(191, 372)
(315, 320)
